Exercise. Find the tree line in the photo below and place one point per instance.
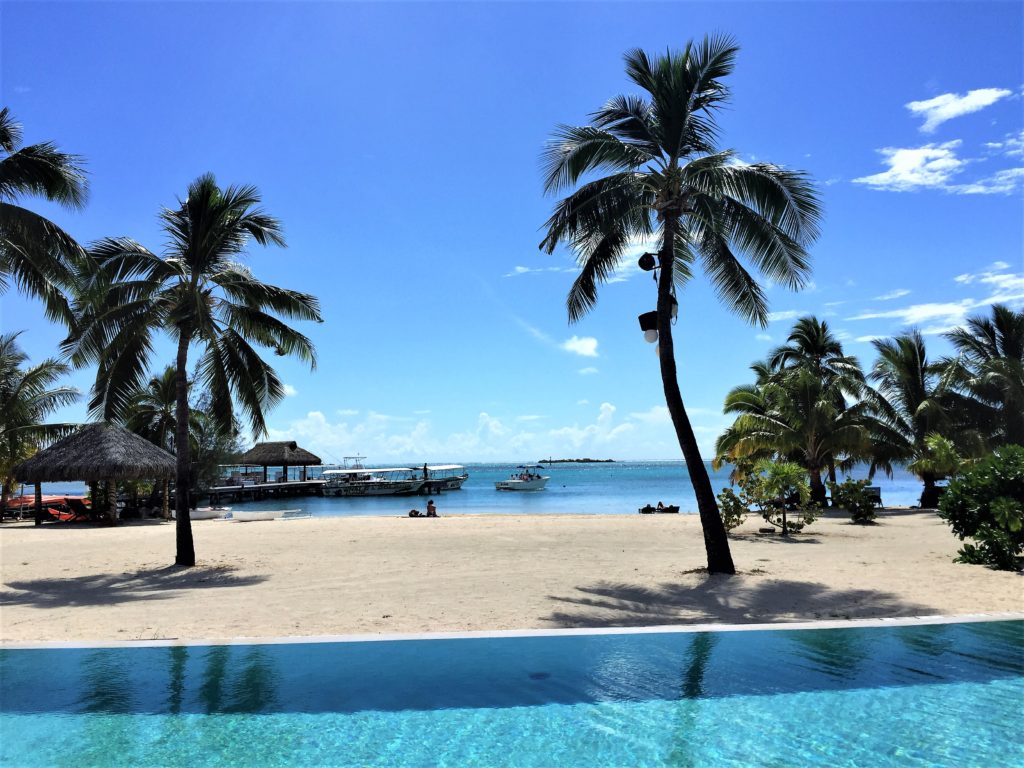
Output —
(116, 297)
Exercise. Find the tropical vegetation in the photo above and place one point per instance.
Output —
(812, 404)
(36, 254)
(29, 394)
(663, 177)
(199, 295)
(986, 504)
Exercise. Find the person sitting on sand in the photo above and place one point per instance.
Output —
(660, 506)
(431, 509)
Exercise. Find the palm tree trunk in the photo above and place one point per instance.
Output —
(186, 551)
(930, 495)
(716, 542)
(832, 474)
(817, 487)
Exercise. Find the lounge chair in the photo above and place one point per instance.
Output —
(874, 492)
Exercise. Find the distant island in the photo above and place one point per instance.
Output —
(576, 461)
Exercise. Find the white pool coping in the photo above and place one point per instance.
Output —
(902, 621)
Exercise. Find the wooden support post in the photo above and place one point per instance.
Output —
(39, 503)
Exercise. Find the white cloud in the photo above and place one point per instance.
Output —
(529, 417)
(896, 294)
(347, 412)
(787, 314)
(657, 414)
(946, 106)
(588, 371)
(586, 346)
(1012, 145)
(582, 402)
(519, 271)
(932, 165)
(1000, 183)
(867, 339)
(834, 303)
(290, 391)
(948, 312)
(763, 337)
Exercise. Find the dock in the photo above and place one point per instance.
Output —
(257, 491)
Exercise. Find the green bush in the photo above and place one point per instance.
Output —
(852, 496)
(986, 503)
(734, 510)
(777, 488)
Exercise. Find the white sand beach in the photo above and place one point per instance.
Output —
(324, 576)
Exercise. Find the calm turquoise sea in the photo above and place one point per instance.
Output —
(604, 489)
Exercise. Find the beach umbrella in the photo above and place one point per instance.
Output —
(95, 452)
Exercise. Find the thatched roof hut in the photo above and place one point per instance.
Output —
(283, 454)
(98, 451)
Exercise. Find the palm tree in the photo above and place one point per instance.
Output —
(911, 399)
(35, 253)
(27, 397)
(990, 371)
(200, 296)
(667, 178)
(151, 413)
(811, 344)
(794, 415)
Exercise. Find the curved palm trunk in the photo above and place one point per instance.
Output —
(186, 552)
(716, 541)
(818, 495)
(930, 494)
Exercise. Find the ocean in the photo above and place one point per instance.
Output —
(593, 488)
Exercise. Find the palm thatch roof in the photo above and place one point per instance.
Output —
(278, 455)
(98, 451)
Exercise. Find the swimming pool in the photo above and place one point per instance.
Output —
(941, 694)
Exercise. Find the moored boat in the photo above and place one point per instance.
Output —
(256, 515)
(444, 477)
(357, 480)
(526, 479)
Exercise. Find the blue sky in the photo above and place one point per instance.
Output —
(400, 143)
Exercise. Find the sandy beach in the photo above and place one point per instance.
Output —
(324, 576)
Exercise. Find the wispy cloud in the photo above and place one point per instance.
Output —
(585, 346)
(347, 412)
(529, 417)
(290, 391)
(935, 166)
(932, 165)
(868, 339)
(1012, 145)
(947, 106)
(520, 271)
(898, 293)
(588, 371)
(763, 337)
(786, 314)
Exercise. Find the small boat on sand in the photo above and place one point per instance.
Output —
(208, 513)
(255, 515)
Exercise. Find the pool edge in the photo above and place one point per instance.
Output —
(511, 633)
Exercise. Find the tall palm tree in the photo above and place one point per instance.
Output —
(911, 398)
(28, 396)
(151, 413)
(35, 253)
(989, 369)
(666, 178)
(812, 345)
(201, 297)
(794, 415)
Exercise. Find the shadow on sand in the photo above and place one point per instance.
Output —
(115, 588)
(721, 599)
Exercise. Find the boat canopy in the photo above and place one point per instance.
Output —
(445, 467)
(366, 471)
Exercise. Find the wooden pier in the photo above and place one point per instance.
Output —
(258, 491)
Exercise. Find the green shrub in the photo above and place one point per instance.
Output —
(852, 496)
(986, 503)
(778, 488)
(734, 510)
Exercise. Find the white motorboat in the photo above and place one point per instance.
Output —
(526, 479)
(357, 480)
(445, 477)
(256, 515)
(207, 513)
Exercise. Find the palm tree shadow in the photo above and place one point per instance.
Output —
(115, 588)
(721, 599)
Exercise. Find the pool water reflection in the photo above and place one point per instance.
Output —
(945, 694)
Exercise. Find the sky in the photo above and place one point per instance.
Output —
(400, 146)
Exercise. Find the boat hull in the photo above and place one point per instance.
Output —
(535, 484)
(253, 516)
(401, 488)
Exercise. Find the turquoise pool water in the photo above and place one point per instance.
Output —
(937, 695)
